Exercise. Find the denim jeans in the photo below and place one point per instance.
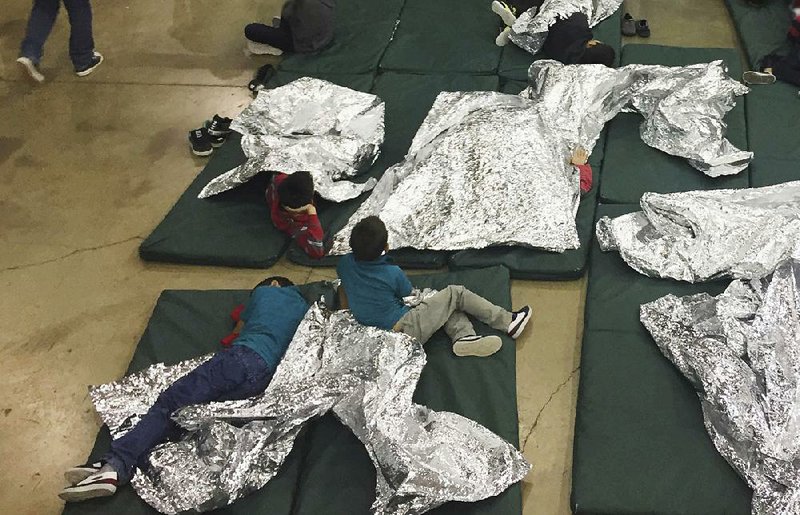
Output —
(40, 23)
(236, 373)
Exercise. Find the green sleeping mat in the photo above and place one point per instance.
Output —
(444, 36)
(363, 29)
(640, 445)
(232, 228)
(632, 168)
(337, 476)
(328, 471)
(408, 99)
(762, 29)
(773, 125)
(514, 62)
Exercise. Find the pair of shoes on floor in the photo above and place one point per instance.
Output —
(631, 27)
(482, 346)
(32, 68)
(211, 135)
(89, 481)
(263, 75)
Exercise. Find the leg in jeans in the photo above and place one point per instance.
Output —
(40, 23)
(280, 38)
(448, 308)
(234, 374)
(787, 69)
(81, 42)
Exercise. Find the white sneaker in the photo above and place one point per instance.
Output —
(504, 12)
(481, 346)
(502, 38)
(102, 484)
(519, 319)
(31, 69)
(262, 48)
(77, 474)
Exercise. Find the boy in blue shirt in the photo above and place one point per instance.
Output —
(373, 289)
(266, 328)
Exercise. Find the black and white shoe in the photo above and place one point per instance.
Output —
(219, 126)
(77, 474)
(519, 319)
(31, 68)
(102, 484)
(200, 142)
(97, 58)
(263, 75)
(216, 141)
(475, 345)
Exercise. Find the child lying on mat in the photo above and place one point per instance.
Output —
(305, 26)
(785, 68)
(569, 40)
(291, 207)
(373, 288)
(266, 328)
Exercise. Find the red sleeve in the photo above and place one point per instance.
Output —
(586, 177)
(309, 235)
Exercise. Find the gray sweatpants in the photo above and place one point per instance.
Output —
(449, 308)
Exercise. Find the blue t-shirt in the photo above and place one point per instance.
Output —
(270, 321)
(375, 290)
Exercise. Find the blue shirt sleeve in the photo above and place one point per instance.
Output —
(403, 284)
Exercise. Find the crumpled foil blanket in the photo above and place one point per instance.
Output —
(698, 236)
(488, 169)
(309, 124)
(366, 376)
(741, 352)
(530, 29)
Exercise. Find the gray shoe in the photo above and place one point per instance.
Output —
(628, 25)
(481, 346)
(758, 78)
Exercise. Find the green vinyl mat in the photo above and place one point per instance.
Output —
(762, 29)
(640, 444)
(328, 471)
(631, 168)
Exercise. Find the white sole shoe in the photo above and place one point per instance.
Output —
(102, 484)
(502, 38)
(262, 49)
(480, 346)
(77, 474)
(87, 71)
(504, 13)
(758, 78)
(518, 325)
(31, 69)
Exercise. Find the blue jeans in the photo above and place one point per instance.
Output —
(40, 23)
(236, 373)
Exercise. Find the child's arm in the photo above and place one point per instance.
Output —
(579, 160)
(309, 234)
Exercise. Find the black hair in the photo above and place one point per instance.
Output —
(282, 281)
(297, 190)
(368, 239)
(598, 54)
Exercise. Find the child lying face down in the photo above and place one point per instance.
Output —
(291, 206)
(373, 288)
(266, 328)
(569, 40)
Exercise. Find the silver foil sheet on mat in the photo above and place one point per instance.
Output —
(741, 352)
(309, 124)
(488, 169)
(702, 235)
(531, 28)
(366, 376)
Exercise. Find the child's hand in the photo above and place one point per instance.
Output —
(579, 156)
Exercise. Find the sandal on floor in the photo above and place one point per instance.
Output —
(643, 29)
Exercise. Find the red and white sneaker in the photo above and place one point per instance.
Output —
(519, 319)
(102, 484)
(77, 474)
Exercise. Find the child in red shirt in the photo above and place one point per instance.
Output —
(291, 203)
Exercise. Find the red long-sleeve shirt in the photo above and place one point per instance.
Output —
(303, 228)
(586, 177)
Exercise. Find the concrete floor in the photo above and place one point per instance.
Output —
(90, 166)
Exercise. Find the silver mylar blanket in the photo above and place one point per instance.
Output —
(741, 352)
(530, 29)
(487, 168)
(366, 376)
(702, 235)
(309, 124)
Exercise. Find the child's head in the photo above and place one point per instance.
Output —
(297, 190)
(369, 239)
(276, 281)
(598, 52)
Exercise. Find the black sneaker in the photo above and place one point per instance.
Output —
(77, 474)
(219, 126)
(97, 58)
(102, 484)
(263, 75)
(200, 142)
(519, 319)
(216, 141)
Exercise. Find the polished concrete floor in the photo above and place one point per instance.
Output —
(88, 168)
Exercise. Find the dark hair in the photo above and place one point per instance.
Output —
(598, 54)
(368, 239)
(282, 281)
(297, 190)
